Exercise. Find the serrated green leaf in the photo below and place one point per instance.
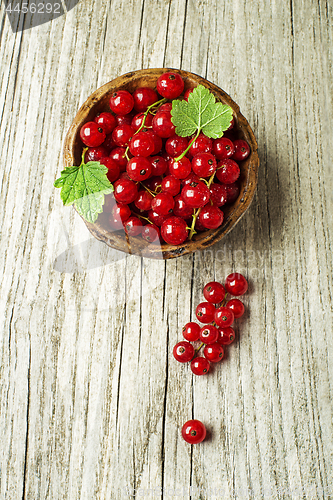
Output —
(85, 186)
(184, 123)
(216, 122)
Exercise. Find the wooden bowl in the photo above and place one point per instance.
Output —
(99, 101)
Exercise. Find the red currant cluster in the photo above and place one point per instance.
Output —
(218, 315)
(163, 183)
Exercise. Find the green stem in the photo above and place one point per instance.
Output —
(145, 218)
(195, 215)
(198, 349)
(188, 147)
(147, 189)
(83, 155)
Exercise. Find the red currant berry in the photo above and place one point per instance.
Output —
(162, 124)
(95, 154)
(109, 143)
(92, 135)
(236, 284)
(180, 169)
(167, 106)
(236, 306)
(118, 155)
(223, 148)
(122, 135)
(154, 183)
(121, 102)
(242, 150)
(107, 121)
(211, 217)
(141, 144)
(151, 233)
(181, 209)
(174, 230)
(125, 191)
(138, 119)
(193, 432)
(121, 212)
(156, 139)
(226, 335)
(124, 119)
(187, 93)
(170, 85)
(143, 201)
(218, 194)
(183, 351)
(200, 366)
(195, 194)
(138, 168)
(213, 352)
(223, 317)
(190, 178)
(158, 165)
(176, 145)
(205, 312)
(156, 219)
(227, 171)
(113, 168)
(133, 226)
(209, 334)
(202, 144)
(214, 292)
(204, 164)
(232, 192)
(144, 97)
(191, 331)
(163, 203)
(171, 185)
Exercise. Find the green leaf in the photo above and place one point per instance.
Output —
(200, 113)
(85, 186)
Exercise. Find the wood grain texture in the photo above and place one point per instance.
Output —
(91, 399)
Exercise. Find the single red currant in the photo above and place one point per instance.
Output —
(170, 85)
(236, 306)
(95, 154)
(174, 230)
(191, 331)
(156, 139)
(193, 432)
(163, 203)
(143, 201)
(180, 169)
(107, 121)
(213, 352)
(125, 191)
(151, 233)
(223, 148)
(171, 185)
(205, 312)
(141, 144)
(218, 194)
(138, 119)
(226, 335)
(92, 135)
(236, 284)
(162, 124)
(121, 213)
(176, 145)
(211, 217)
(124, 119)
(183, 351)
(181, 209)
(223, 317)
(122, 134)
(121, 102)
(195, 194)
(200, 366)
(157, 219)
(112, 166)
(118, 155)
(202, 144)
(158, 165)
(242, 150)
(214, 292)
(144, 97)
(209, 334)
(228, 171)
(133, 226)
(204, 164)
(138, 168)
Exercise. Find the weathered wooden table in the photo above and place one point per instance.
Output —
(92, 401)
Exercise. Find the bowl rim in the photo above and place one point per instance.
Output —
(206, 238)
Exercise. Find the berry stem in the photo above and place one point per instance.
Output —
(188, 147)
(83, 155)
(145, 218)
(147, 189)
(198, 348)
(195, 215)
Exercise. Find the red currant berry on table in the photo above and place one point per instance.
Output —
(170, 85)
(187, 93)
(121, 102)
(223, 148)
(223, 317)
(151, 233)
(202, 144)
(92, 135)
(144, 97)
(158, 165)
(133, 226)
(214, 292)
(191, 331)
(143, 201)
(138, 119)
(218, 194)
(200, 366)
(174, 230)
(118, 155)
(141, 144)
(227, 171)
(226, 335)
(122, 135)
(213, 352)
(107, 121)
(195, 194)
(236, 306)
(209, 334)
(95, 154)
(163, 203)
(205, 312)
(183, 351)
(180, 169)
(125, 191)
(138, 168)
(232, 192)
(211, 217)
(162, 124)
(176, 145)
(113, 168)
(181, 209)
(171, 185)
(193, 432)
(204, 164)
(242, 150)
(236, 284)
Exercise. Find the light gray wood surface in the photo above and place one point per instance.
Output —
(92, 401)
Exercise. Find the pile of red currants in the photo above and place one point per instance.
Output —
(157, 194)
